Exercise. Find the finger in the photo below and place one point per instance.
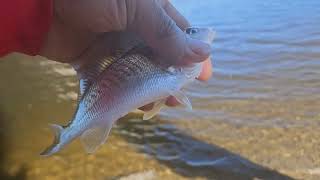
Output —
(178, 18)
(172, 101)
(160, 31)
(181, 22)
(206, 72)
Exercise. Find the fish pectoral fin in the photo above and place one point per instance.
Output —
(155, 109)
(95, 137)
(57, 129)
(182, 99)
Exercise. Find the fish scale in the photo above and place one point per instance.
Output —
(115, 80)
(113, 87)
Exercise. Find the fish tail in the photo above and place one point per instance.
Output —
(57, 129)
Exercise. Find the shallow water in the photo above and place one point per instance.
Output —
(259, 116)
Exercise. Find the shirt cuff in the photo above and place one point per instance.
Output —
(24, 25)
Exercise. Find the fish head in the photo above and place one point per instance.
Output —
(203, 34)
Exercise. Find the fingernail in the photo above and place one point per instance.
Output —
(200, 48)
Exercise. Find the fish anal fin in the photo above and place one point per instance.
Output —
(155, 109)
(95, 137)
(182, 99)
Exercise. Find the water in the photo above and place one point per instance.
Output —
(266, 54)
(259, 116)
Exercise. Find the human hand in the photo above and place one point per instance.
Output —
(78, 27)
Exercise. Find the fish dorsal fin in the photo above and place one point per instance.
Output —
(94, 62)
(95, 137)
(83, 84)
(89, 73)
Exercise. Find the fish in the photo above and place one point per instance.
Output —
(114, 86)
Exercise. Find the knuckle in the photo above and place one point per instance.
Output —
(167, 28)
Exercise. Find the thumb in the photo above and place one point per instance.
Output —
(157, 28)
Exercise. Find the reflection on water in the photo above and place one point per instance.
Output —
(258, 116)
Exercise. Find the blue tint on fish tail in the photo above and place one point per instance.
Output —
(57, 129)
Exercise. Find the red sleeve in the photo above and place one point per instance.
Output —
(24, 25)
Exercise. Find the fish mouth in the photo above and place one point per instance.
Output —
(205, 34)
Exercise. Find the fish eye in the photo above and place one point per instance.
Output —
(192, 30)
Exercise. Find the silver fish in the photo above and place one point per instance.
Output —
(114, 87)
